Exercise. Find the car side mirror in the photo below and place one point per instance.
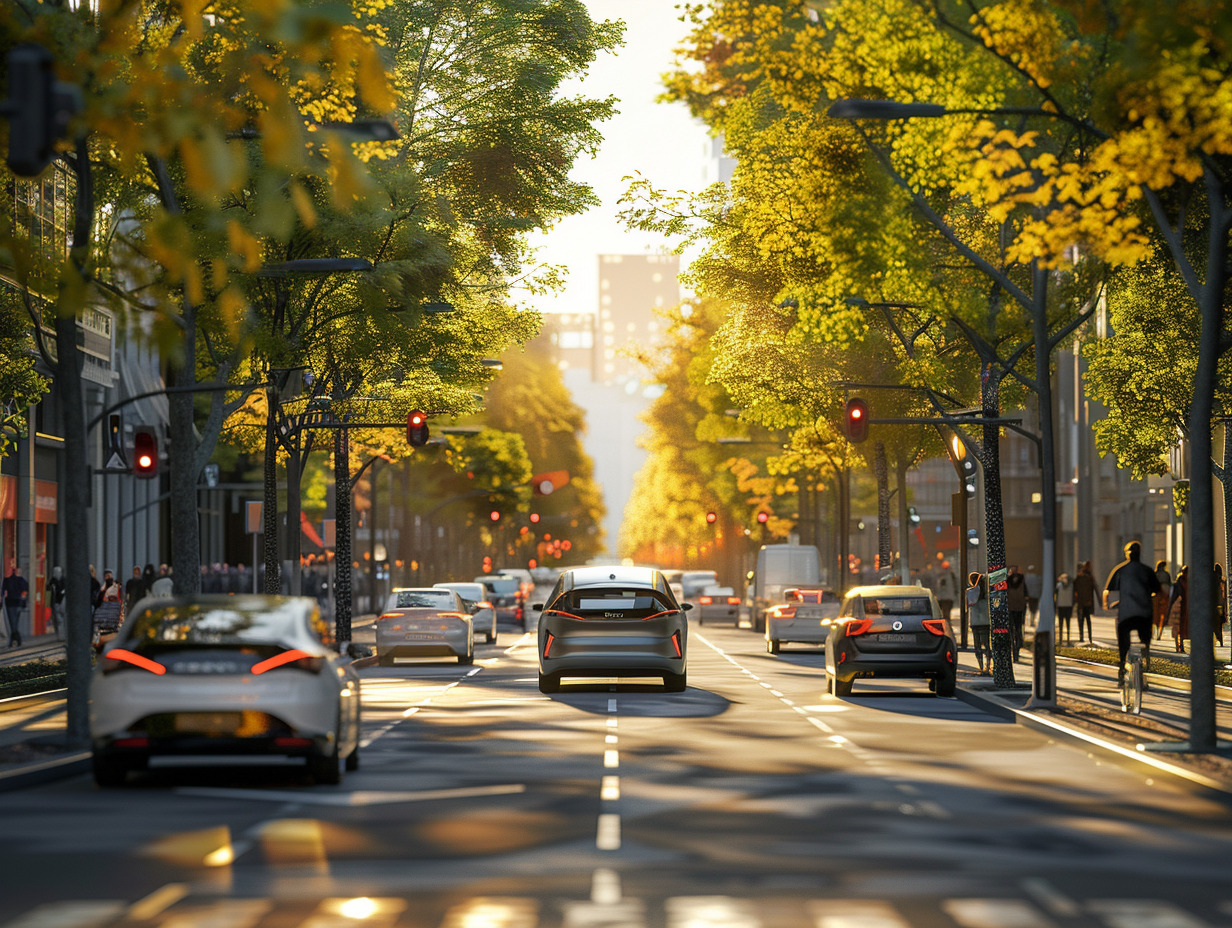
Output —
(687, 606)
(537, 607)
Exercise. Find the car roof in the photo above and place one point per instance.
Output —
(455, 584)
(605, 576)
(415, 589)
(887, 590)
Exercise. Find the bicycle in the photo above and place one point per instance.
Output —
(1133, 682)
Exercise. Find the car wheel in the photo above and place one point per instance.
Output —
(946, 685)
(326, 769)
(109, 771)
(549, 683)
(843, 687)
(772, 645)
(676, 682)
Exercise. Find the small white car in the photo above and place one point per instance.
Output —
(805, 618)
(718, 604)
(424, 622)
(224, 675)
(474, 597)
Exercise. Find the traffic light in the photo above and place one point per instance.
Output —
(856, 420)
(416, 429)
(39, 108)
(494, 515)
(711, 517)
(763, 517)
(534, 517)
(145, 452)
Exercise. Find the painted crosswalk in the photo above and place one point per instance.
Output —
(607, 907)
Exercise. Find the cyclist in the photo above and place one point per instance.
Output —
(1136, 585)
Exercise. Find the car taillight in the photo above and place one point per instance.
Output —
(484, 604)
(390, 615)
(783, 612)
(301, 660)
(119, 658)
(936, 626)
(858, 626)
(733, 600)
(705, 600)
(547, 648)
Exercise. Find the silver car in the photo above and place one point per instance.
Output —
(424, 622)
(612, 622)
(474, 597)
(210, 675)
(805, 617)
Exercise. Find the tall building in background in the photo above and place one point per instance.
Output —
(631, 288)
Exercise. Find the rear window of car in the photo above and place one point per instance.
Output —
(201, 624)
(815, 596)
(898, 605)
(612, 604)
(503, 585)
(423, 599)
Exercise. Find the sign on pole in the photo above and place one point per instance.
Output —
(254, 516)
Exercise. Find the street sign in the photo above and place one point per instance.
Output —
(116, 464)
(210, 473)
(329, 533)
(254, 516)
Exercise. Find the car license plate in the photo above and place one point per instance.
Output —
(418, 637)
(893, 638)
(207, 723)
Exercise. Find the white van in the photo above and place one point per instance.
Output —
(780, 568)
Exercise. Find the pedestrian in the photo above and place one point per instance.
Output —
(947, 589)
(979, 621)
(16, 591)
(56, 588)
(1065, 602)
(1178, 609)
(148, 576)
(96, 589)
(1163, 598)
(1135, 585)
(1016, 597)
(1035, 587)
(163, 587)
(134, 590)
(1084, 599)
(110, 610)
(1221, 603)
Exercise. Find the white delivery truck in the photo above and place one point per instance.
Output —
(780, 568)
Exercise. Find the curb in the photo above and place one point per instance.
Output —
(1083, 739)
(46, 772)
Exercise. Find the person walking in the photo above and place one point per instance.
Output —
(1135, 585)
(1163, 598)
(55, 594)
(1016, 596)
(96, 589)
(134, 590)
(1065, 602)
(1084, 599)
(110, 610)
(979, 621)
(947, 589)
(16, 591)
(1178, 609)
(1221, 604)
(1035, 588)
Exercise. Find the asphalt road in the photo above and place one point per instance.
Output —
(752, 800)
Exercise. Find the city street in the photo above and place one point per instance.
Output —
(752, 799)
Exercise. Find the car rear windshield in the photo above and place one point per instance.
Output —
(898, 605)
(201, 624)
(504, 585)
(612, 603)
(816, 596)
(423, 599)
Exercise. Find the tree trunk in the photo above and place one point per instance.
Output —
(884, 556)
(994, 529)
(273, 579)
(904, 521)
(342, 536)
(182, 452)
(295, 533)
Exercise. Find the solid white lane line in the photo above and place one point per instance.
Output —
(607, 836)
(605, 887)
(609, 791)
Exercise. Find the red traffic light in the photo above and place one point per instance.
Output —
(494, 515)
(856, 420)
(534, 517)
(763, 517)
(145, 452)
(711, 517)
(416, 429)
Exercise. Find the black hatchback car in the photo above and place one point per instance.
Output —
(890, 631)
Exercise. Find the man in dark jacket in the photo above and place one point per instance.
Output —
(16, 589)
(1136, 585)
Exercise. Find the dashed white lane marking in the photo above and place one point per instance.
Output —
(611, 758)
(1143, 913)
(995, 913)
(609, 790)
(854, 913)
(607, 835)
(611, 705)
(611, 723)
(1049, 896)
(818, 723)
(711, 912)
(610, 739)
(605, 887)
(157, 902)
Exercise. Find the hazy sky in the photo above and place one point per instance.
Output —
(661, 140)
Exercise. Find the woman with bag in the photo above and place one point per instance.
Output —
(979, 621)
